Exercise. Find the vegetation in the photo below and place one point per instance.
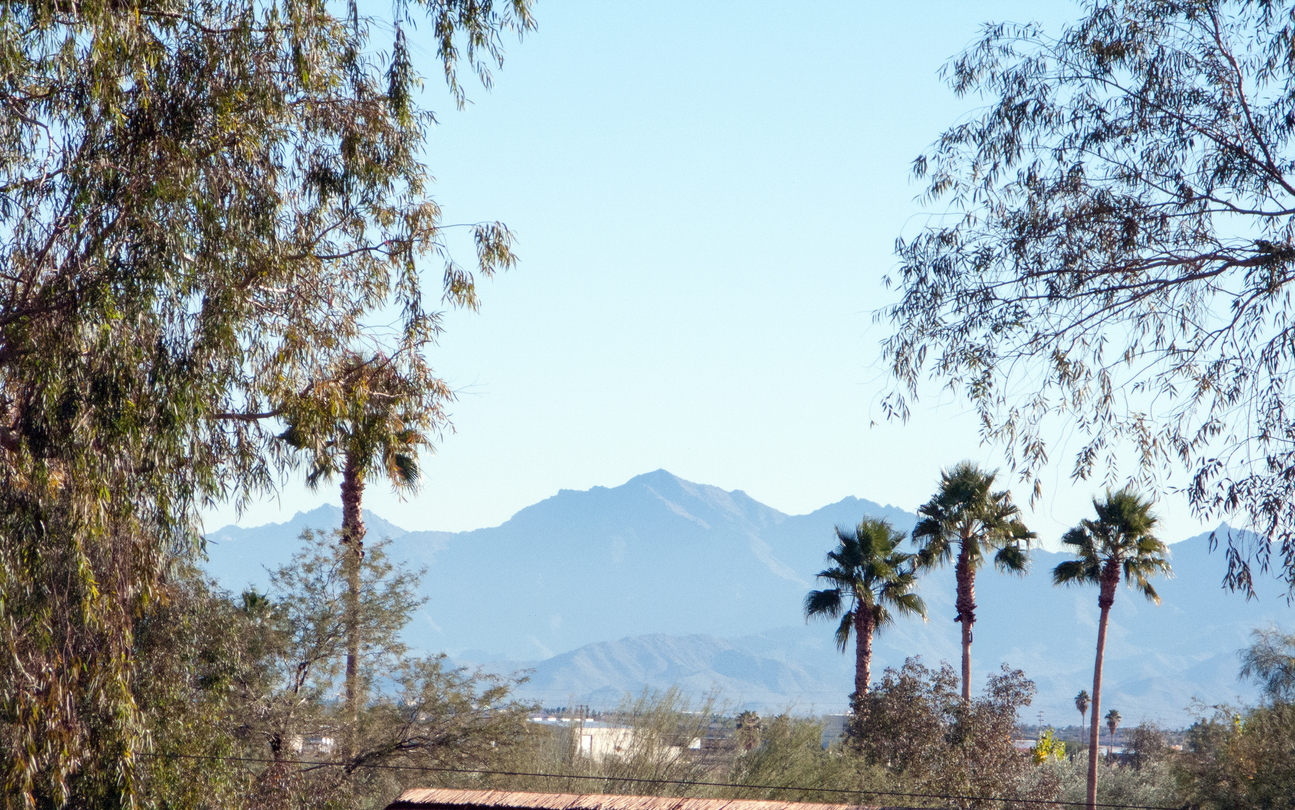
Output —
(872, 577)
(1270, 661)
(372, 420)
(1113, 719)
(1119, 544)
(1115, 230)
(204, 209)
(918, 744)
(1240, 758)
(202, 205)
(1154, 785)
(916, 726)
(1081, 703)
(968, 514)
(240, 694)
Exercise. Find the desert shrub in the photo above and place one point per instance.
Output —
(1240, 759)
(1066, 782)
(1146, 743)
(915, 725)
(791, 758)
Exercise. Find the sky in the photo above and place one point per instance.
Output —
(706, 198)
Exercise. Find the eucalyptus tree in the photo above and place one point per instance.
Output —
(1114, 254)
(1270, 662)
(967, 519)
(201, 207)
(870, 581)
(1119, 544)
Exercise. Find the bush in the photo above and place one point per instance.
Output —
(915, 725)
(1241, 759)
(1066, 782)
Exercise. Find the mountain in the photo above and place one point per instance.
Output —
(241, 558)
(601, 674)
(662, 581)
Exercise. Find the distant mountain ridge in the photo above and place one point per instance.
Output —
(663, 581)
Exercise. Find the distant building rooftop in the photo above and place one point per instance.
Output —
(440, 799)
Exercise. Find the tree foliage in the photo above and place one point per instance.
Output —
(1119, 544)
(967, 520)
(871, 581)
(202, 207)
(240, 699)
(1270, 661)
(1240, 759)
(917, 726)
(1114, 252)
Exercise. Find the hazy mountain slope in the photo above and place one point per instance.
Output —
(239, 557)
(656, 555)
(601, 674)
(659, 556)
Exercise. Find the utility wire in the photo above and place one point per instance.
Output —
(637, 780)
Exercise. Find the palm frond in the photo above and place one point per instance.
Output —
(320, 472)
(822, 603)
(1122, 536)
(843, 631)
(1075, 572)
(1012, 558)
(910, 604)
(869, 572)
(294, 436)
(1148, 590)
(880, 617)
(403, 470)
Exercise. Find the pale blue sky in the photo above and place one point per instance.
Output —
(705, 196)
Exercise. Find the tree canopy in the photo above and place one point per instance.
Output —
(966, 519)
(203, 208)
(1113, 254)
(871, 581)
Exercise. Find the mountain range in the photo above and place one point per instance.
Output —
(661, 581)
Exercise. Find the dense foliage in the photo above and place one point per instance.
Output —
(871, 580)
(1241, 759)
(967, 520)
(916, 724)
(203, 205)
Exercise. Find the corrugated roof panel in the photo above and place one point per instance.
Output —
(444, 798)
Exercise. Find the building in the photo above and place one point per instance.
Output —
(601, 742)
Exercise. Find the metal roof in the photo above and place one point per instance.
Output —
(429, 798)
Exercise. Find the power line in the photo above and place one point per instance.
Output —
(637, 780)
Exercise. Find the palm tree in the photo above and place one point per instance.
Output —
(364, 421)
(1119, 544)
(1112, 722)
(968, 515)
(869, 580)
(1081, 703)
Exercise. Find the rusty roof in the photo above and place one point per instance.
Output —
(427, 798)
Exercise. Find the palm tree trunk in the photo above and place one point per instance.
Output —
(1106, 598)
(966, 605)
(353, 538)
(863, 628)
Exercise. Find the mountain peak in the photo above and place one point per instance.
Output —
(325, 516)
